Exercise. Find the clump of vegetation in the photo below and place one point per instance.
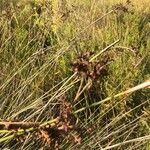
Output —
(93, 70)
(51, 133)
(74, 74)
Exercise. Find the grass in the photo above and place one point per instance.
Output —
(40, 41)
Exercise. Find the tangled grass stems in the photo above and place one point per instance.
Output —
(106, 111)
(140, 139)
(24, 96)
(120, 128)
(131, 90)
(112, 123)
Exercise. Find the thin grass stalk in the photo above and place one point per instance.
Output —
(140, 139)
(131, 90)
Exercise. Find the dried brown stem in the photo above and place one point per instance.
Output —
(7, 125)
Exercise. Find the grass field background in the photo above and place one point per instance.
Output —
(39, 43)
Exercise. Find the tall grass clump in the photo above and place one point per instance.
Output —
(74, 74)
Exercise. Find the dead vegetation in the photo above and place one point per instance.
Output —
(64, 86)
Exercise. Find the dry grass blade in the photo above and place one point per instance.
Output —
(17, 125)
(140, 139)
(104, 50)
(131, 90)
